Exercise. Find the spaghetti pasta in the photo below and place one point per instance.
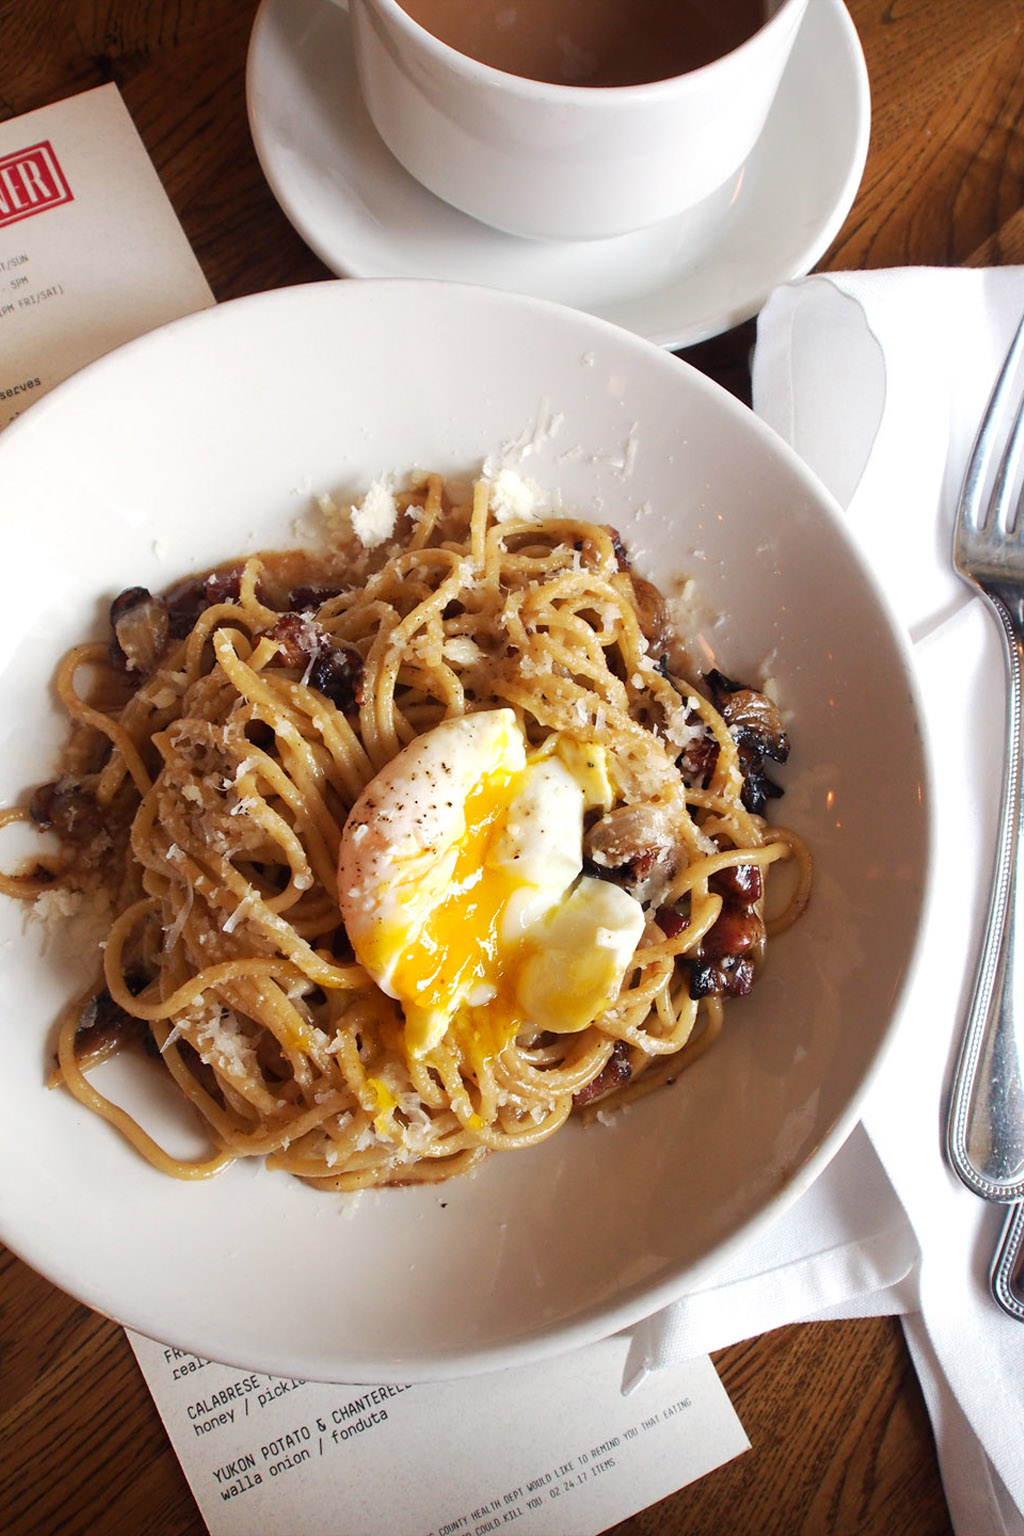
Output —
(215, 760)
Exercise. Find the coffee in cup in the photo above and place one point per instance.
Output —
(591, 42)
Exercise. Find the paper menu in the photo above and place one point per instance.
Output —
(553, 1449)
(91, 250)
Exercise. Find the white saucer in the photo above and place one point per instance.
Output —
(690, 278)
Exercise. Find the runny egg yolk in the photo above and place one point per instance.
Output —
(461, 884)
(455, 956)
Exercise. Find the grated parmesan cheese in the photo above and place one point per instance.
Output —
(58, 903)
(174, 932)
(233, 919)
(462, 650)
(678, 729)
(223, 1044)
(373, 518)
(515, 498)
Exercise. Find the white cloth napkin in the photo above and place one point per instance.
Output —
(878, 380)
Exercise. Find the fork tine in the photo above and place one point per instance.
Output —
(1005, 513)
(977, 511)
(1015, 524)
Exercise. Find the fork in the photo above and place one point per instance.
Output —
(985, 1129)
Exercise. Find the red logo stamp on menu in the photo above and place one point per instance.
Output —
(31, 180)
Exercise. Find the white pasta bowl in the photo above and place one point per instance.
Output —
(212, 437)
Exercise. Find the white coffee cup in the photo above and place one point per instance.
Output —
(565, 162)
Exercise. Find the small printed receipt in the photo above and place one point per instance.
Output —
(73, 177)
(553, 1449)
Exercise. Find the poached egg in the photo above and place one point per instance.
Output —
(461, 887)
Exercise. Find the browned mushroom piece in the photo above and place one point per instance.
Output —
(103, 1028)
(653, 617)
(755, 724)
(141, 625)
(634, 846)
(753, 719)
(68, 808)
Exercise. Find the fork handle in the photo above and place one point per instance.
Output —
(985, 1130)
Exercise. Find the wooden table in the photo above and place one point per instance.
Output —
(841, 1440)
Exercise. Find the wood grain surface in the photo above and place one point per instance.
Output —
(841, 1443)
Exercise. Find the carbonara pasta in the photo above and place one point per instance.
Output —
(362, 981)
